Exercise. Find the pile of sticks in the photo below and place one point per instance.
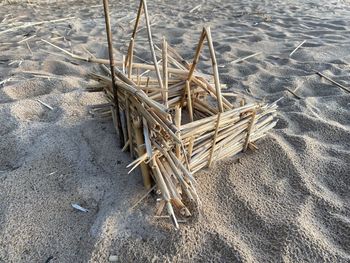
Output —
(173, 118)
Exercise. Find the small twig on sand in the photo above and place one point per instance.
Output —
(293, 93)
(64, 51)
(242, 59)
(5, 80)
(195, 8)
(43, 103)
(30, 50)
(34, 24)
(334, 82)
(26, 39)
(302, 43)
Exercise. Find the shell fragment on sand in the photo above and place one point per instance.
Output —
(78, 207)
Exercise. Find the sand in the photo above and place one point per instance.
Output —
(286, 202)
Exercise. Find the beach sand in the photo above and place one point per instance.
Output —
(286, 202)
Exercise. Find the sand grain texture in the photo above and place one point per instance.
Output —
(287, 202)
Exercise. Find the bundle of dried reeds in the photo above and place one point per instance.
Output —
(174, 119)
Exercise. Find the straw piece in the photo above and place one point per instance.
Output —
(26, 39)
(139, 94)
(334, 82)
(165, 193)
(30, 50)
(252, 146)
(293, 93)
(141, 151)
(131, 56)
(139, 159)
(146, 136)
(189, 100)
(196, 56)
(111, 64)
(160, 207)
(176, 71)
(245, 58)
(139, 11)
(129, 123)
(43, 103)
(182, 167)
(215, 69)
(124, 125)
(175, 170)
(35, 24)
(150, 40)
(190, 149)
(126, 145)
(165, 72)
(178, 125)
(302, 43)
(214, 140)
(195, 8)
(250, 129)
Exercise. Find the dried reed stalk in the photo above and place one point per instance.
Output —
(334, 82)
(133, 35)
(150, 40)
(299, 46)
(30, 24)
(245, 58)
(129, 124)
(131, 57)
(178, 125)
(196, 55)
(215, 69)
(250, 129)
(147, 182)
(165, 192)
(214, 140)
(165, 72)
(111, 63)
(189, 100)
